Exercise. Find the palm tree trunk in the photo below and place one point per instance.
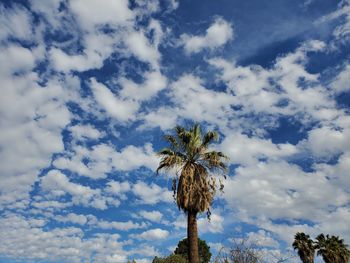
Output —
(192, 237)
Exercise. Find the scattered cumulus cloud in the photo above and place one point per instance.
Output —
(105, 13)
(218, 34)
(154, 216)
(151, 194)
(341, 81)
(121, 109)
(16, 23)
(152, 234)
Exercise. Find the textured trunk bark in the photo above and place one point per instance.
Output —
(192, 237)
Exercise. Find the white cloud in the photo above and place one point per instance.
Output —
(22, 59)
(262, 238)
(193, 101)
(342, 31)
(104, 158)
(125, 226)
(65, 244)
(151, 194)
(31, 114)
(96, 223)
(342, 80)
(154, 216)
(81, 132)
(251, 87)
(145, 250)
(241, 80)
(72, 218)
(281, 190)
(51, 205)
(145, 260)
(215, 225)
(276, 255)
(140, 47)
(99, 158)
(155, 28)
(337, 141)
(245, 150)
(335, 223)
(218, 34)
(124, 105)
(290, 70)
(164, 117)
(15, 189)
(121, 109)
(147, 7)
(105, 12)
(98, 47)
(64, 62)
(215, 247)
(180, 221)
(174, 4)
(57, 184)
(313, 45)
(152, 234)
(15, 22)
(97, 44)
(285, 231)
(132, 157)
(154, 82)
(339, 172)
(287, 88)
(50, 10)
(337, 13)
(118, 188)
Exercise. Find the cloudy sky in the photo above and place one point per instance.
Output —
(89, 87)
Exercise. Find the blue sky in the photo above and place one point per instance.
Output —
(89, 88)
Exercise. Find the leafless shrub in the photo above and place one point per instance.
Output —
(240, 252)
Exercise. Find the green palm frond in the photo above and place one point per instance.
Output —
(166, 151)
(172, 141)
(332, 249)
(169, 162)
(209, 137)
(305, 246)
(214, 160)
(196, 139)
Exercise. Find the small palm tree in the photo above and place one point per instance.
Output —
(332, 249)
(194, 185)
(305, 247)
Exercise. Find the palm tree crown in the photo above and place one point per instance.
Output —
(332, 249)
(305, 247)
(195, 187)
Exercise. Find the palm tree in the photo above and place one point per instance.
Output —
(305, 247)
(332, 249)
(194, 185)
